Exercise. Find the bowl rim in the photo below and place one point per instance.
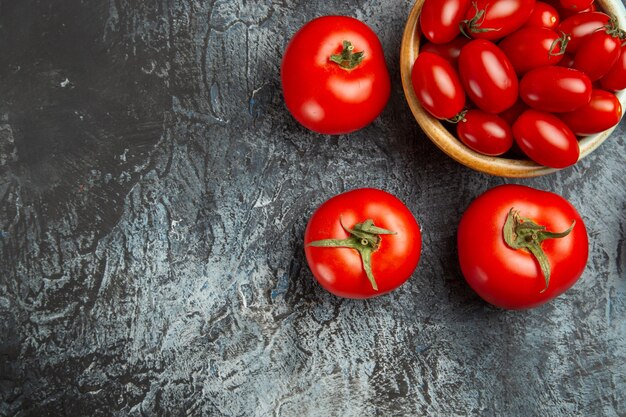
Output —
(444, 140)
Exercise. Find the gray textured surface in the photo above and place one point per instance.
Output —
(153, 197)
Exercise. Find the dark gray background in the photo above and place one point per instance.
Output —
(153, 198)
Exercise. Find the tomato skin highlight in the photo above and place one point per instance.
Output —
(437, 86)
(510, 278)
(439, 19)
(581, 25)
(597, 54)
(323, 96)
(500, 18)
(546, 139)
(530, 48)
(615, 78)
(555, 89)
(486, 133)
(488, 76)
(340, 270)
(543, 16)
(603, 111)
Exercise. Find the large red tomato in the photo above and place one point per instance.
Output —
(334, 75)
(488, 76)
(520, 247)
(494, 19)
(362, 243)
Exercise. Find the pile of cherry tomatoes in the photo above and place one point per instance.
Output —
(521, 76)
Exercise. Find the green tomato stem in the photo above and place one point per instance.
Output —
(348, 59)
(365, 238)
(522, 233)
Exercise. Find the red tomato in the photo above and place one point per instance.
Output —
(543, 16)
(437, 86)
(511, 114)
(555, 89)
(507, 274)
(488, 76)
(581, 25)
(494, 19)
(603, 112)
(578, 5)
(533, 47)
(450, 50)
(597, 54)
(330, 97)
(546, 139)
(615, 79)
(340, 240)
(440, 19)
(485, 133)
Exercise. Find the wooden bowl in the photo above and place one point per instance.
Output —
(451, 145)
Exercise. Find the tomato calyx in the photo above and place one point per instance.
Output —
(522, 233)
(347, 58)
(365, 238)
(612, 28)
(560, 42)
(472, 25)
(460, 117)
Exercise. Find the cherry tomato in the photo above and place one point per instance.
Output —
(543, 16)
(581, 25)
(494, 19)
(615, 79)
(485, 133)
(511, 114)
(555, 89)
(502, 269)
(603, 112)
(362, 243)
(437, 86)
(488, 76)
(597, 54)
(440, 19)
(334, 75)
(533, 47)
(546, 139)
(450, 50)
(578, 5)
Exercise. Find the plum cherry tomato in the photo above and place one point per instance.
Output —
(440, 19)
(578, 5)
(450, 50)
(546, 139)
(488, 76)
(362, 243)
(533, 47)
(581, 25)
(603, 112)
(485, 133)
(555, 89)
(334, 75)
(615, 79)
(543, 16)
(598, 53)
(520, 247)
(494, 19)
(437, 86)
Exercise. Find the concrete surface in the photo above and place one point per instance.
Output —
(153, 198)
